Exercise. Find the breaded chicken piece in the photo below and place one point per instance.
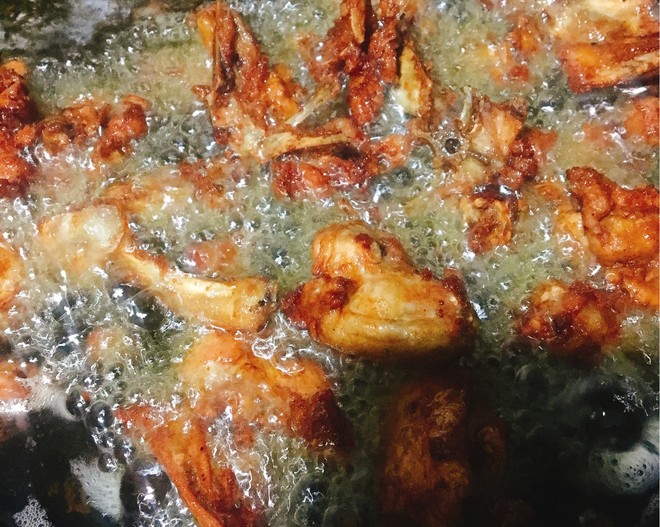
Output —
(367, 299)
(572, 320)
(621, 225)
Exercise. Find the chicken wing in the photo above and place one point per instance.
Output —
(367, 299)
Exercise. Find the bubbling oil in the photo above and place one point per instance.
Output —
(158, 55)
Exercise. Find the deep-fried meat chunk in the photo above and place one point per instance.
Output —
(180, 443)
(122, 129)
(297, 400)
(367, 299)
(15, 170)
(592, 65)
(621, 225)
(490, 215)
(16, 107)
(437, 450)
(74, 124)
(16, 111)
(573, 321)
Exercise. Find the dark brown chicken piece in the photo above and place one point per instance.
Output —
(126, 126)
(574, 321)
(438, 450)
(17, 112)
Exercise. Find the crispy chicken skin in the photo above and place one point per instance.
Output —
(226, 377)
(621, 225)
(298, 399)
(239, 304)
(572, 320)
(367, 299)
(180, 444)
(17, 113)
(438, 449)
(490, 215)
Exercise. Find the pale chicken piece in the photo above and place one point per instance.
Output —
(295, 397)
(81, 241)
(573, 320)
(234, 304)
(12, 275)
(621, 225)
(367, 299)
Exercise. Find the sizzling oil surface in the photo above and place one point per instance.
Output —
(155, 52)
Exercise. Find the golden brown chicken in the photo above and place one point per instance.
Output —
(622, 229)
(573, 320)
(239, 304)
(439, 448)
(605, 42)
(490, 215)
(367, 299)
(225, 376)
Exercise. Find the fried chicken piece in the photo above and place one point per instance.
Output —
(437, 451)
(247, 97)
(621, 225)
(15, 171)
(12, 275)
(81, 241)
(606, 42)
(641, 283)
(16, 107)
(367, 299)
(17, 112)
(239, 304)
(616, 61)
(643, 120)
(75, 124)
(492, 128)
(490, 215)
(295, 397)
(129, 125)
(573, 321)
(179, 442)
(223, 375)
(341, 49)
(528, 153)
